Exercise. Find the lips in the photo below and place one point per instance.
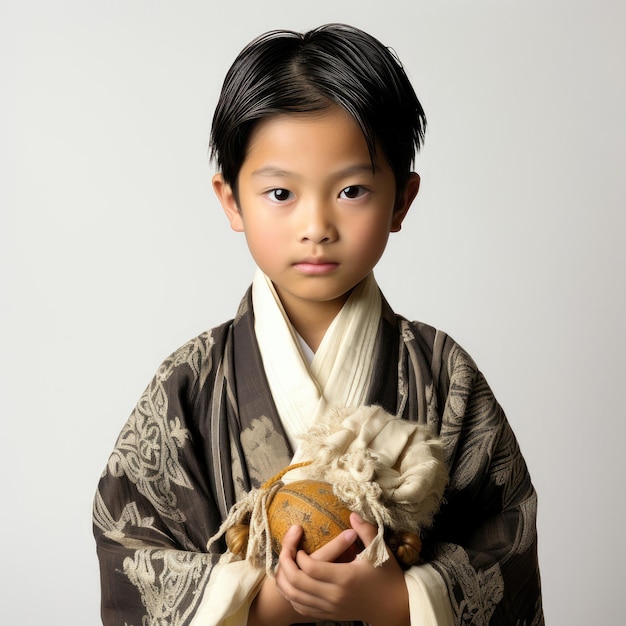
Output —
(316, 266)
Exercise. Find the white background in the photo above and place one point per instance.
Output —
(114, 251)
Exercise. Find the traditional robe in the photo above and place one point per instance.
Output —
(206, 431)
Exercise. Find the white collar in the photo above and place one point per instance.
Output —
(339, 372)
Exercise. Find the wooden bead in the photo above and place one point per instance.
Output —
(406, 547)
(237, 539)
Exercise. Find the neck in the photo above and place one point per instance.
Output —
(312, 320)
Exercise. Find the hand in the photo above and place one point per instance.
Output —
(270, 607)
(319, 589)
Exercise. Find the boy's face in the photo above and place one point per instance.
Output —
(315, 215)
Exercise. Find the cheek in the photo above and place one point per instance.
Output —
(265, 243)
(370, 239)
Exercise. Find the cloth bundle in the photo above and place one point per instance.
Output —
(388, 470)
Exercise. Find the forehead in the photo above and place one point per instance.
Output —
(328, 136)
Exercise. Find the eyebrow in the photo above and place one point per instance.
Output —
(357, 168)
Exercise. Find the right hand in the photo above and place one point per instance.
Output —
(270, 608)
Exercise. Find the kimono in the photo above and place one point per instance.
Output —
(206, 431)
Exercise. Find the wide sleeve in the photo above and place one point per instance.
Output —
(155, 510)
(484, 539)
(429, 604)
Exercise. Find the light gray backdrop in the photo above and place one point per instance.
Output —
(114, 251)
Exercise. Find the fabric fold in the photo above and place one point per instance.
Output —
(341, 369)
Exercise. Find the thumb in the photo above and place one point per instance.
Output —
(367, 532)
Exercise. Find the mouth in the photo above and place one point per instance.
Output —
(316, 266)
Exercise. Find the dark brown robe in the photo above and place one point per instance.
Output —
(206, 431)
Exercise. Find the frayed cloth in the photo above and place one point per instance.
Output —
(388, 470)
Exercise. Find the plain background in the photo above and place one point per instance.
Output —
(114, 250)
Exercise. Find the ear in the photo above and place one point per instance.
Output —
(404, 201)
(225, 194)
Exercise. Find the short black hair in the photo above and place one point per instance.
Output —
(284, 71)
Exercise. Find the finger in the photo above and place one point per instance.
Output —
(290, 541)
(366, 531)
(332, 550)
(303, 592)
(287, 568)
(319, 573)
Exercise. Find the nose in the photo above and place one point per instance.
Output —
(318, 224)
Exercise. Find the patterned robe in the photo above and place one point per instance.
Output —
(206, 431)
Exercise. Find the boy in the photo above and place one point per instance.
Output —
(314, 136)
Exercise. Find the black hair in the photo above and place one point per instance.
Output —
(283, 71)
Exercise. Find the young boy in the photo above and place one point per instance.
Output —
(314, 136)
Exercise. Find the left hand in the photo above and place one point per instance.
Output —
(320, 589)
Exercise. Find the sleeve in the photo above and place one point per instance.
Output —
(154, 509)
(429, 604)
(484, 538)
(227, 597)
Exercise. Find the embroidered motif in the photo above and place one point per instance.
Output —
(114, 529)
(149, 445)
(266, 450)
(167, 579)
(480, 591)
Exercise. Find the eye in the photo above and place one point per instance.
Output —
(353, 192)
(279, 195)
